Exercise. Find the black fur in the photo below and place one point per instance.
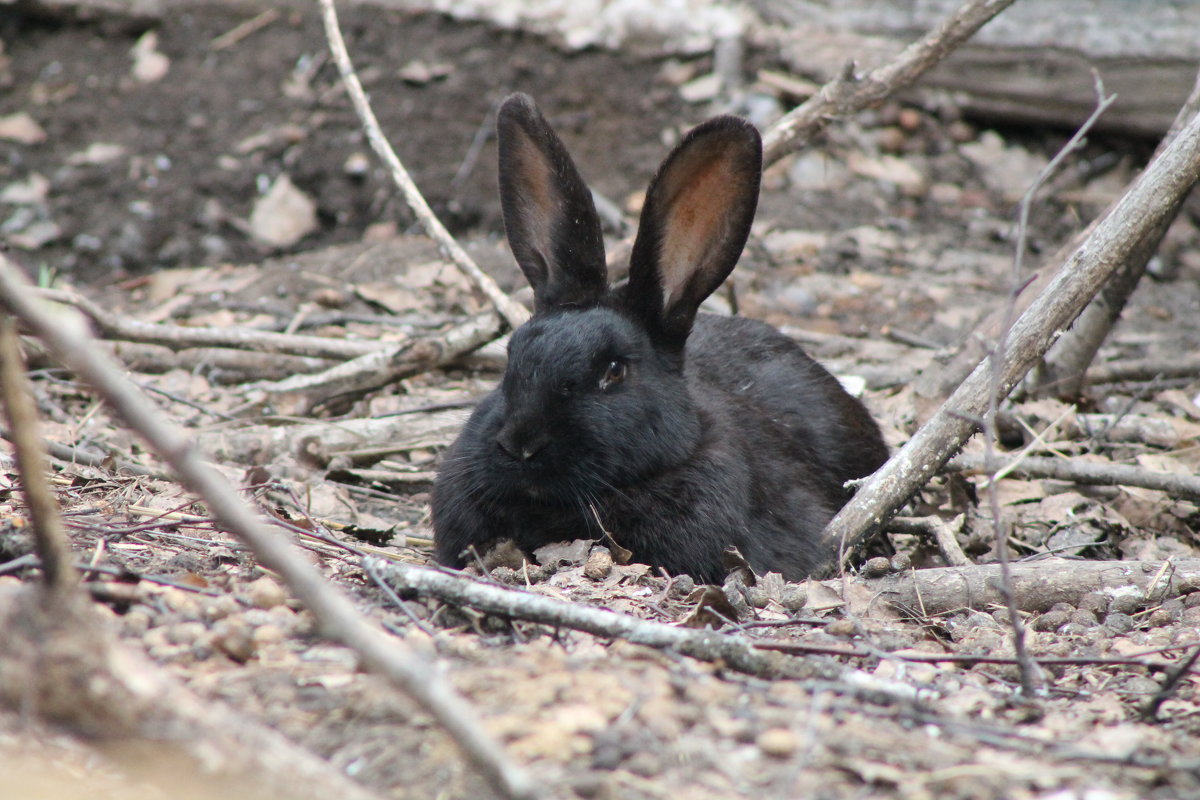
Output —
(679, 434)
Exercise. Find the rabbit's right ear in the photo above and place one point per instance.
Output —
(694, 224)
(549, 216)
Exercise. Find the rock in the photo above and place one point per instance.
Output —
(777, 742)
(21, 128)
(234, 637)
(284, 215)
(599, 564)
(265, 593)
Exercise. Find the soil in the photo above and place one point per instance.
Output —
(879, 249)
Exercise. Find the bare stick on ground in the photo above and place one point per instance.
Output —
(338, 618)
(115, 326)
(846, 95)
(1091, 473)
(51, 541)
(513, 312)
(1151, 197)
(1038, 585)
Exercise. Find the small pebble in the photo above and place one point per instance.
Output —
(1084, 617)
(267, 634)
(901, 562)
(757, 596)
(1094, 602)
(186, 633)
(1118, 622)
(842, 628)
(235, 638)
(794, 597)
(1191, 600)
(599, 564)
(1051, 621)
(876, 567)
(265, 593)
(1127, 602)
(1190, 616)
(136, 621)
(221, 607)
(682, 586)
(777, 742)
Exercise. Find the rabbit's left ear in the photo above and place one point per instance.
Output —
(694, 224)
(549, 214)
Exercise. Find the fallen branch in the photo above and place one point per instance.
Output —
(337, 616)
(1151, 197)
(1037, 585)
(941, 531)
(1185, 365)
(115, 326)
(386, 364)
(1092, 473)
(739, 652)
(513, 312)
(50, 540)
(846, 95)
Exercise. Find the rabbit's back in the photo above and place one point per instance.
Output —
(783, 403)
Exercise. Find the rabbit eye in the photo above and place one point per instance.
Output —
(614, 373)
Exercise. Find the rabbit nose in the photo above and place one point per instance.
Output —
(519, 446)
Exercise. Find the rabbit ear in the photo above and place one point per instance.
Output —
(549, 215)
(694, 224)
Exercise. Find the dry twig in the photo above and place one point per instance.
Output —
(1092, 473)
(337, 616)
(54, 551)
(115, 326)
(513, 312)
(846, 95)
(1115, 236)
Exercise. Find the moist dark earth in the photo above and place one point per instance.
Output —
(879, 248)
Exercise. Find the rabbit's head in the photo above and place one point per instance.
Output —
(594, 396)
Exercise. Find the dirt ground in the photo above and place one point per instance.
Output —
(141, 184)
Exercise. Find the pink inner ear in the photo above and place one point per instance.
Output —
(538, 194)
(696, 217)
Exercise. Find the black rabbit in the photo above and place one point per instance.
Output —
(616, 412)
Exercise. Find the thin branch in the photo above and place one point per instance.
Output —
(1170, 685)
(390, 363)
(336, 614)
(1184, 365)
(942, 532)
(50, 539)
(744, 653)
(116, 326)
(513, 312)
(739, 652)
(1151, 197)
(844, 95)
(1092, 473)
